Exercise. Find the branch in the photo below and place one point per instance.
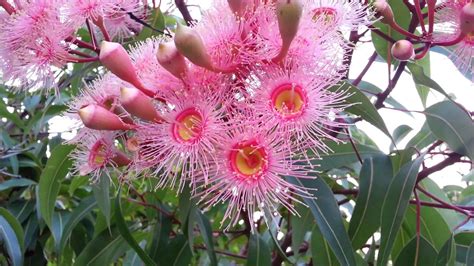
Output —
(452, 159)
(183, 8)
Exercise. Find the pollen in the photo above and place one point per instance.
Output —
(248, 160)
(288, 100)
(98, 154)
(188, 126)
(326, 14)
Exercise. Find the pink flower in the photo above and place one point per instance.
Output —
(250, 177)
(96, 154)
(448, 28)
(29, 50)
(295, 101)
(182, 149)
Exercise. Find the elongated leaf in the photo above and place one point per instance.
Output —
(422, 139)
(206, 233)
(395, 205)
(322, 253)
(50, 181)
(259, 253)
(369, 87)
(361, 106)
(422, 79)
(344, 154)
(77, 215)
(326, 212)
(426, 253)
(300, 226)
(12, 235)
(470, 255)
(123, 229)
(447, 254)
(102, 196)
(105, 249)
(20, 182)
(375, 177)
(399, 133)
(452, 125)
(160, 235)
(178, 252)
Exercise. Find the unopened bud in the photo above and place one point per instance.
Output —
(289, 13)
(97, 117)
(171, 60)
(385, 11)
(467, 19)
(190, 44)
(114, 57)
(403, 50)
(138, 104)
(120, 159)
(132, 144)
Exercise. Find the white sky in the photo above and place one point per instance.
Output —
(442, 71)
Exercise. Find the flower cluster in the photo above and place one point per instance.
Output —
(229, 107)
(38, 37)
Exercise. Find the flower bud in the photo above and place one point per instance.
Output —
(138, 104)
(385, 11)
(120, 159)
(97, 117)
(403, 50)
(467, 19)
(114, 57)
(170, 59)
(288, 14)
(190, 44)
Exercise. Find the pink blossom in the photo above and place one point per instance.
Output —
(250, 177)
(447, 28)
(182, 149)
(96, 155)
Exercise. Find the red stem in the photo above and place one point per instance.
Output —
(9, 8)
(79, 53)
(401, 30)
(82, 60)
(420, 15)
(450, 206)
(425, 50)
(431, 14)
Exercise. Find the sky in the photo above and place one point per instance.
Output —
(443, 72)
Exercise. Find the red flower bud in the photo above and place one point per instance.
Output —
(138, 104)
(403, 50)
(97, 117)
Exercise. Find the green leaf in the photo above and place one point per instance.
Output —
(420, 78)
(369, 87)
(447, 254)
(426, 253)
(123, 229)
(322, 253)
(178, 252)
(258, 252)
(50, 181)
(77, 215)
(328, 217)
(400, 133)
(361, 106)
(395, 205)
(422, 139)
(452, 125)
(206, 233)
(300, 226)
(10, 116)
(102, 195)
(105, 249)
(12, 235)
(470, 255)
(20, 182)
(375, 177)
(160, 237)
(344, 154)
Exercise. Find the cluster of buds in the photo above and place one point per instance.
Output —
(229, 107)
